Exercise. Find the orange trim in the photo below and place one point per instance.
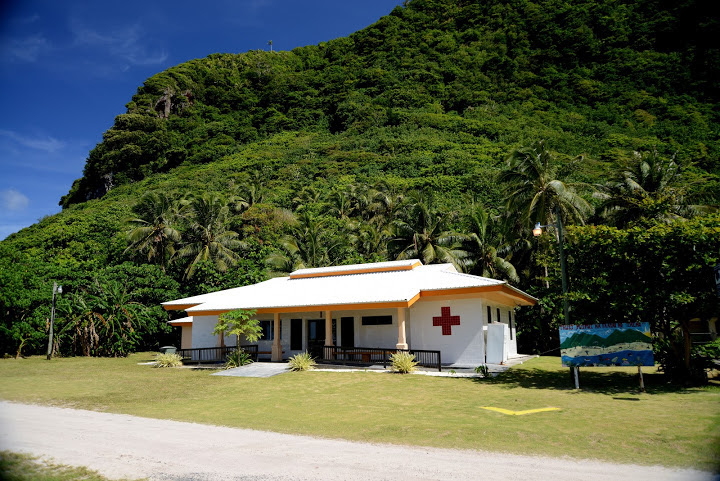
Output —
(504, 288)
(333, 307)
(180, 307)
(356, 271)
(180, 323)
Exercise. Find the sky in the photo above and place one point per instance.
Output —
(68, 67)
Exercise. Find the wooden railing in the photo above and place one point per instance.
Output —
(214, 354)
(375, 355)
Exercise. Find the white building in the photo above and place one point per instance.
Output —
(390, 305)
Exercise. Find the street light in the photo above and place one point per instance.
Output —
(537, 231)
(56, 290)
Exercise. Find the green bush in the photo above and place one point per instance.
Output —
(483, 370)
(238, 358)
(403, 362)
(301, 362)
(168, 360)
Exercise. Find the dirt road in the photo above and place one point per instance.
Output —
(128, 446)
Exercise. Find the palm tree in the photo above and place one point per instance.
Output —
(534, 191)
(244, 196)
(208, 237)
(646, 189)
(153, 233)
(423, 235)
(483, 241)
(309, 245)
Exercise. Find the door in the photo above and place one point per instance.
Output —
(316, 337)
(295, 334)
(347, 332)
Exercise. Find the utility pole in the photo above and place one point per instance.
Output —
(270, 43)
(56, 290)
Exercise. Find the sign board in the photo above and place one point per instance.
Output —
(613, 344)
(717, 279)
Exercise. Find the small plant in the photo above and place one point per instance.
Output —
(483, 370)
(403, 362)
(238, 358)
(452, 372)
(301, 362)
(168, 360)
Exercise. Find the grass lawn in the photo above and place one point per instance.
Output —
(608, 419)
(23, 467)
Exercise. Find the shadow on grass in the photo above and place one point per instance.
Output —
(624, 385)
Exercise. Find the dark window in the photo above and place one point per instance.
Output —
(295, 334)
(498, 315)
(267, 330)
(489, 315)
(510, 319)
(376, 320)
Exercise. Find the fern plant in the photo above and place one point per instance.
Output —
(403, 362)
(238, 358)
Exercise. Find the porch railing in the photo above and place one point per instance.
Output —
(374, 355)
(214, 354)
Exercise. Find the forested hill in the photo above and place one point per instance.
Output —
(443, 132)
(600, 78)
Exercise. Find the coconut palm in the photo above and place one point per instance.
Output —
(309, 245)
(534, 191)
(484, 241)
(153, 234)
(208, 237)
(646, 189)
(423, 234)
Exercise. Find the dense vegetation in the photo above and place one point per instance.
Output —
(444, 131)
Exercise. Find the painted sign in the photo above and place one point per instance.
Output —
(613, 344)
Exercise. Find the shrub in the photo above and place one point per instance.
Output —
(238, 358)
(168, 360)
(403, 362)
(483, 370)
(301, 362)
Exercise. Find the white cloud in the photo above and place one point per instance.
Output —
(13, 200)
(46, 144)
(27, 49)
(126, 43)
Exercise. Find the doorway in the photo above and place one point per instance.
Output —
(347, 332)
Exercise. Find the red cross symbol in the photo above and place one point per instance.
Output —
(446, 321)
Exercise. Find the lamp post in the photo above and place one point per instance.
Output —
(56, 290)
(537, 231)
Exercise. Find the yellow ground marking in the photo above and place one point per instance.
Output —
(518, 413)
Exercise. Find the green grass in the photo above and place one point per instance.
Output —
(608, 419)
(23, 467)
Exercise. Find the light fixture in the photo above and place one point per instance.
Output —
(537, 231)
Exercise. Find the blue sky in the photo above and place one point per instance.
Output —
(67, 68)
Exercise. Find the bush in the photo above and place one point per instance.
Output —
(403, 362)
(168, 360)
(301, 362)
(238, 358)
(483, 370)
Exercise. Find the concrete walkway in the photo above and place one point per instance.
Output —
(119, 445)
(256, 369)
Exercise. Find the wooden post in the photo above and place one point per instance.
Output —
(276, 347)
(328, 329)
(577, 377)
(642, 382)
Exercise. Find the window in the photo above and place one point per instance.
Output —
(267, 330)
(511, 326)
(498, 315)
(489, 315)
(376, 320)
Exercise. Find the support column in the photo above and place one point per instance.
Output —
(402, 338)
(328, 328)
(276, 347)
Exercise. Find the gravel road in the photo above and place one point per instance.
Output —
(129, 446)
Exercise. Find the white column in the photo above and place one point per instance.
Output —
(328, 328)
(276, 347)
(402, 338)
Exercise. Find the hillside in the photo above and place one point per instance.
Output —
(353, 149)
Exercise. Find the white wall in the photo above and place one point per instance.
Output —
(464, 346)
(202, 335)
